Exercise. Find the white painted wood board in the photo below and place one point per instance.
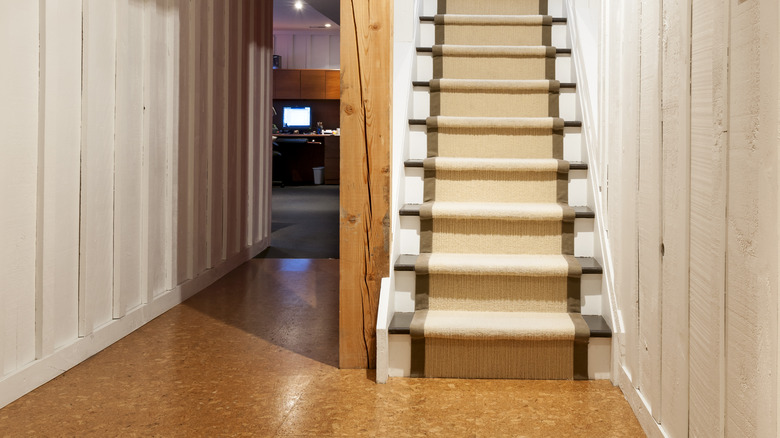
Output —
(184, 223)
(59, 173)
(676, 109)
(751, 263)
(97, 165)
(128, 157)
(709, 143)
(19, 125)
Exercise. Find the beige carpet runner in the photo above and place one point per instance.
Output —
(498, 288)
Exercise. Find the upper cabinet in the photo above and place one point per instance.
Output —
(307, 84)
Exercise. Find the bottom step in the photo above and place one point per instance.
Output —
(400, 346)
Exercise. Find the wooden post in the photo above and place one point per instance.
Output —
(366, 98)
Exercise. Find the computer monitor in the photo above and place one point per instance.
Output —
(296, 117)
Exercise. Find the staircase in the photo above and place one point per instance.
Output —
(496, 277)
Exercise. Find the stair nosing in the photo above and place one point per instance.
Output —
(555, 20)
(428, 84)
(566, 123)
(580, 211)
(573, 165)
(401, 321)
(404, 263)
(558, 50)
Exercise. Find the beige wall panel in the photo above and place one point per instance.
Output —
(186, 111)
(218, 131)
(18, 181)
(128, 156)
(751, 263)
(709, 143)
(59, 175)
(649, 217)
(199, 33)
(233, 224)
(157, 129)
(246, 125)
(676, 216)
(252, 114)
(97, 165)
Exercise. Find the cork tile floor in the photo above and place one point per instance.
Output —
(256, 355)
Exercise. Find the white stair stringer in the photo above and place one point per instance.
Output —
(410, 191)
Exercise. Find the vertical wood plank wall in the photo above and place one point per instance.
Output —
(134, 167)
(694, 231)
(366, 98)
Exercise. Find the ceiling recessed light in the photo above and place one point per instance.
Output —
(299, 5)
(327, 24)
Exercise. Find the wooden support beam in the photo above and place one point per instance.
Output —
(366, 98)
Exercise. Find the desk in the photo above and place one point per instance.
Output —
(301, 158)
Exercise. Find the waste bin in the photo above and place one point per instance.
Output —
(319, 174)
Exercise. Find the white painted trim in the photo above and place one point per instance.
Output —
(639, 406)
(384, 316)
(41, 371)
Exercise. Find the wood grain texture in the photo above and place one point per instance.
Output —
(676, 107)
(751, 261)
(58, 172)
(96, 266)
(19, 125)
(313, 84)
(365, 155)
(709, 144)
(650, 202)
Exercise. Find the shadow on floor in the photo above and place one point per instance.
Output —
(290, 303)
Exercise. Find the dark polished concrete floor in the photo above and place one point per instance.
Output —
(304, 222)
(255, 354)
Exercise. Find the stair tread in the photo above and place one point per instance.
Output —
(566, 123)
(401, 321)
(407, 262)
(428, 83)
(556, 20)
(573, 165)
(581, 211)
(558, 50)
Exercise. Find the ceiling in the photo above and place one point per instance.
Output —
(314, 15)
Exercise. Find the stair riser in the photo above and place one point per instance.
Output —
(558, 35)
(400, 354)
(414, 187)
(431, 8)
(590, 292)
(496, 187)
(477, 35)
(563, 105)
(494, 7)
(572, 144)
(424, 68)
(469, 236)
(458, 67)
(499, 104)
(490, 143)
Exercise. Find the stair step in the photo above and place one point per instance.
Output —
(566, 124)
(555, 20)
(580, 212)
(401, 322)
(406, 263)
(573, 165)
(427, 84)
(558, 51)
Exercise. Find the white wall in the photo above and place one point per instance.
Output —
(134, 162)
(687, 134)
(301, 49)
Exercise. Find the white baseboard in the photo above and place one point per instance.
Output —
(36, 373)
(638, 405)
